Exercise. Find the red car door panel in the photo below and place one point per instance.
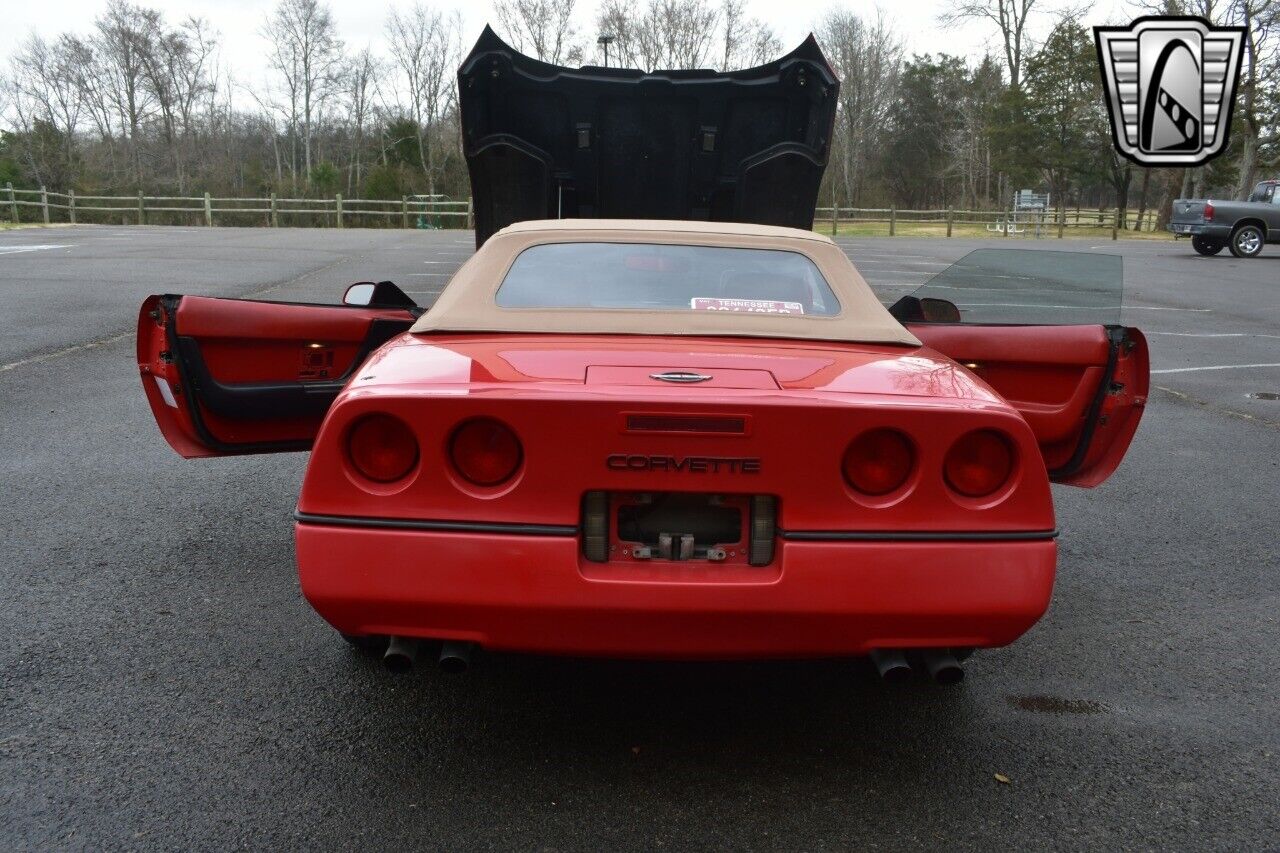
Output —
(228, 376)
(1082, 389)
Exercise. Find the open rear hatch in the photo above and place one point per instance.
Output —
(546, 142)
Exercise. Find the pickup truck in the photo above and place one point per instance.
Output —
(1242, 226)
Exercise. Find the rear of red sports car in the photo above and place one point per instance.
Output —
(548, 495)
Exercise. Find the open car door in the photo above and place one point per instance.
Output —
(232, 376)
(1043, 330)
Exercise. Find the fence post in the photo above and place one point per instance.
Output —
(13, 202)
(44, 204)
(1008, 222)
(404, 211)
(337, 207)
(1062, 220)
(275, 212)
(142, 213)
(893, 219)
(471, 215)
(1115, 224)
(71, 206)
(835, 215)
(208, 211)
(949, 215)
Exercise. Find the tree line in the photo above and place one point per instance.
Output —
(144, 103)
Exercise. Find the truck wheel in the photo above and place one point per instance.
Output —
(1205, 246)
(1246, 241)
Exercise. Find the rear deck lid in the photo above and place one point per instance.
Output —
(546, 142)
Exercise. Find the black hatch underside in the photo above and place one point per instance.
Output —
(546, 142)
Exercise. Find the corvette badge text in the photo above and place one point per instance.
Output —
(1170, 85)
(691, 464)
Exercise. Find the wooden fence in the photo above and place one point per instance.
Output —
(1006, 223)
(45, 206)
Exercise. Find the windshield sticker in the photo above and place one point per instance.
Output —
(745, 306)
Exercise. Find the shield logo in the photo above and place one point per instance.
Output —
(1170, 87)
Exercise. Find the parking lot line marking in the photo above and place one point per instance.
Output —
(49, 356)
(1213, 334)
(1215, 367)
(899, 260)
(40, 247)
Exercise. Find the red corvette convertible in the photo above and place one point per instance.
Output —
(619, 435)
(671, 440)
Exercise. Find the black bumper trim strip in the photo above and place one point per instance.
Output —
(918, 535)
(439, 526)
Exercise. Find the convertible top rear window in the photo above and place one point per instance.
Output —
(666, 277)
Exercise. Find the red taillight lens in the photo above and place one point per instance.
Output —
(1208, 211)
(978, 463)
(485, 452)
(878, 462)
(382, 448)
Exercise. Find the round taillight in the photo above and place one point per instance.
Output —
(485, 452)
(382, 448)
(878, 462)
(979, 463)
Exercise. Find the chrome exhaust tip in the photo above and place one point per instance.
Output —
(943, 668)
(455, 657)
(891, 664)
(401, 654)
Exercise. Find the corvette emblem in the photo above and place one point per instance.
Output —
(1170, 87)
(683, 464)
(683, 376)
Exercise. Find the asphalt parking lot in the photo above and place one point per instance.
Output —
(166, 686)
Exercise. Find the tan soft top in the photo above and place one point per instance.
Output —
(468, 303)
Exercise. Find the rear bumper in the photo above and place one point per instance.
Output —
(1216, 232)
(534, 593)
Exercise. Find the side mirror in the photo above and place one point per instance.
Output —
(939, 311)
(360, 293)
(382, 294)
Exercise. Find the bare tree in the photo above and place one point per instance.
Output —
(662, 34)
(361, 84)
(44, 91)
(425, 46)
(176, 70)
(307, 54)
(124, 40)
(541, 28)
(868, 59)
(1010, 16)
(1259, 77)
(747, 41)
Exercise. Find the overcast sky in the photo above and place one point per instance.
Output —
(361, 22)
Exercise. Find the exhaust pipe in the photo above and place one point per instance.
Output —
(401, 654)
(942, 666)
(892, 665)
(455, 656)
